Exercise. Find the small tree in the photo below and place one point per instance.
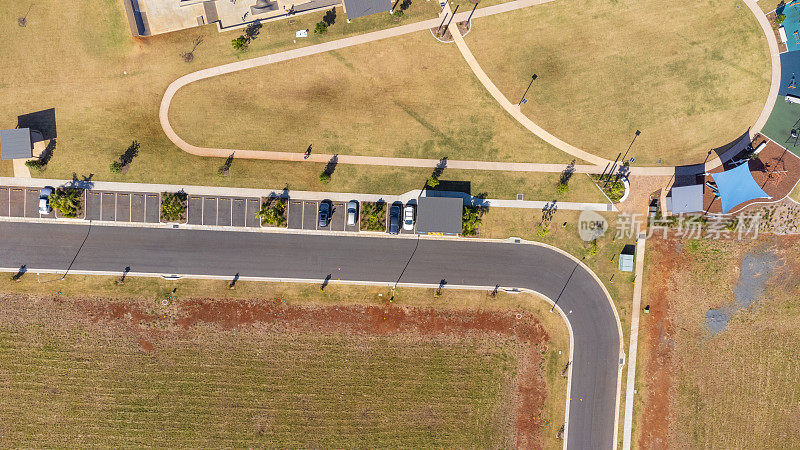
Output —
(471, 220)
(115, 167)
(240, 43)
(67, 201)
(562, 187)
(173, 206)
(780, 18)
(321, 28)
(432, 181)
(324, 177)
(273, 212)
(35, 164)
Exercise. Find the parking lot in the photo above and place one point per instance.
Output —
(122, 206)
(21, 202)
(304, 215)
(223, 211)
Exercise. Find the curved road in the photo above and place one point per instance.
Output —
(596, 329)
(599, 163)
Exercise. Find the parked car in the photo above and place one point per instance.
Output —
(394, 219)
(352, 212)
(324, 213)
(44, 200)
(408, 218)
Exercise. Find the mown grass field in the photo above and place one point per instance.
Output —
(409, 96)
(89, 378)
(738, 388)
(690, 75)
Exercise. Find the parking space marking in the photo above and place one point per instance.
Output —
(152, 208)
(123, 207)
(137, 207)
(5, 201)
(224, 211)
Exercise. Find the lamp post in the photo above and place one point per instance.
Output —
(533, 77)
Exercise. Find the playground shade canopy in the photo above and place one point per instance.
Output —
(737, 186)
(687, 199)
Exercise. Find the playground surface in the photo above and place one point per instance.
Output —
(791, 24)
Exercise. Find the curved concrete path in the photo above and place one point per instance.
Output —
(596, 341)
(600, 164)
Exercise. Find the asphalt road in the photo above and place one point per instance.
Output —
(596, 336)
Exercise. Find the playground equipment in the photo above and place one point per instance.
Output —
(792, 83)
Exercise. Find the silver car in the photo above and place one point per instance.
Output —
(44, 200)
(352, 212)
(408, 218)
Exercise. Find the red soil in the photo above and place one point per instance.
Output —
(355, 320)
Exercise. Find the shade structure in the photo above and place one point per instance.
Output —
(737, 186)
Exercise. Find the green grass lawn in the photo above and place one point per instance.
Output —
(425, 103)
(691, 75)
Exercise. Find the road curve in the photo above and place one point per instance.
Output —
(593, 407)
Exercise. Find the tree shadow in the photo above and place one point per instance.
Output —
(331, 166)
(48, 151)
(130, 153)
(225, 169)
(405, 5)
(253, 30)
(566, 175)
(548, 211)
(22, 269)
(330, 16)
(82, 182)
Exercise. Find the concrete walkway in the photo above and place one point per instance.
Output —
(304, 195)
(634, 342)
(515, 112)
(20, 169)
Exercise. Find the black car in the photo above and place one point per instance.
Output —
(324, 214)
(394, 219)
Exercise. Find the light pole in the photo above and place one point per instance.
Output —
(533, 77)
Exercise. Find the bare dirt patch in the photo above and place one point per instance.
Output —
(731, 387)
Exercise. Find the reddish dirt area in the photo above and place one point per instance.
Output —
(658, 332)
(152, 327)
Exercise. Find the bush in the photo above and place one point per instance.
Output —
(398, 13)
(321, 28)
(562, 187)
(780, 18)
(432, 181)
(273, 212)
(324, 177)
(35, 164)
(173, 206)
(471, 220)
(373, 216)
(240, 43)
(67, 201)
(593, 248)
(543, 230)
(115, 167)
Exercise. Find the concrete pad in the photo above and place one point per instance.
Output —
(310, 215)
(209, 210)
(109, 207)
(93, 200)
(152, 210)
(123, 207)
(32, 203)
(4, 201)
(337, 220)
(238, 212)
(20, 169)
(253, 205)
(17, 202)
(224, 212)
(137, 207)
(195, 210)
(294, 215)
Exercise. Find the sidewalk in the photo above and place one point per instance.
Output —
(302, 195)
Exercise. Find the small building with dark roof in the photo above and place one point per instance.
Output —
(16, 144)
(354, 9)
(440, 215)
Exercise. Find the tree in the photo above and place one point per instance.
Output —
(67, 201)
(272, 212)
(780, 18)
(472, 219)
(321, 28)
(35, 164)
(240, 43)
(432, 181)
(324, 177)
(115, 167)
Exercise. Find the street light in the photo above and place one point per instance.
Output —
(533, 77)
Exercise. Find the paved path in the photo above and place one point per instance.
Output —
(304, 195)
(634, 343)
(599, 164)
(551, 272)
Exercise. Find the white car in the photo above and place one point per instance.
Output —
(352, 211)
(44, 204)
(408, 218)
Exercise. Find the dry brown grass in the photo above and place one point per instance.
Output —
(691, 75)
(739, 388)
(112, 382)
